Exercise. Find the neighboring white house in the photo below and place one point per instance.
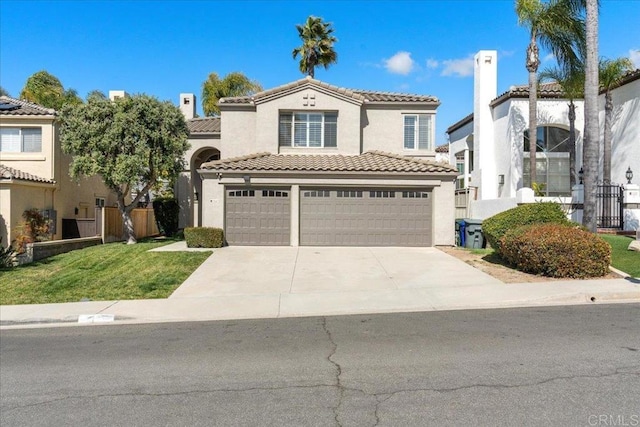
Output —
(34, 173)
(308, 163)
(490, 146)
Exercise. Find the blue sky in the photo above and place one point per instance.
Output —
(163, 48)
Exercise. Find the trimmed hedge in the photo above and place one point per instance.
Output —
(166, 211)
(556, 250)
(534, 213)
(204, 237)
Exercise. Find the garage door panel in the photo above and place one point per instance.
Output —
(258, 217)
(376, 217)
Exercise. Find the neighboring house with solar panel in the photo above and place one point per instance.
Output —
(34, 173)
(308, 163)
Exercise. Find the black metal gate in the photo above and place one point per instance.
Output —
(610, 210)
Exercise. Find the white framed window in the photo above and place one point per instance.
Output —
(100, 202)
(308, 129)
(21, 140)
(553, 161)
(418, 131)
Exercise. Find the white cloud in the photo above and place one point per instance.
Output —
(458, 67)
(432, 63)
(549, 57)
(634, 56)
(400, 63)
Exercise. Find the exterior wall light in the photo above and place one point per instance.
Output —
(501, 179)
(195, 195)
(247, 179)
(581, 174)
(629, 175)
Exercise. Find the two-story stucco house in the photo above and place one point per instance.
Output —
(308, 163)
(491, 145)
(34, 173)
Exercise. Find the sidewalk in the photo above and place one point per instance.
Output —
(293, 283)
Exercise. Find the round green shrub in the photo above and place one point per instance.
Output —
(533, 213)
(556, 250)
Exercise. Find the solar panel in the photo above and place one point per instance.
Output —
(6, 106)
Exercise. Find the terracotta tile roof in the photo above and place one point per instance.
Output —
(358, 95)
(23, 108)
(545, 90)
(10, 173)
(204, 125)
(444, 148)
(372, 161)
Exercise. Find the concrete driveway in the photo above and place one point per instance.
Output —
(245, 270)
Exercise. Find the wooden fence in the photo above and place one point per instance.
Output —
(144, 224)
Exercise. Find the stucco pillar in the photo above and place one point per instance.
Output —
(295, 215)
(212, 202)
(631, 206)
(485, 89)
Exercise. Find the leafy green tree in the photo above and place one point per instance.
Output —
(233, 84)
(317, 45)
(3, 92)
(571, 81)
(47, 90)
(611, 72)
(591, 121)
(131, 143)
(96, 95)
(557, 26)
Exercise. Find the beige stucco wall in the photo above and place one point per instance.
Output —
(39, 164)
(15, 198)
(443, 205)
(246, 132)
(383, 130)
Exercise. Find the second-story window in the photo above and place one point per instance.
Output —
(315, 130)
(417, 132)
(21, 140)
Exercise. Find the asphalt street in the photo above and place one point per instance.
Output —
(577, 365)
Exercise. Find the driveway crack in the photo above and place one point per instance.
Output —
(293, 273)
(386, 273)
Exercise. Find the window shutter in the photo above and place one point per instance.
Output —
(284, 131)
(10, 140)
(330, 130)
(32, 140)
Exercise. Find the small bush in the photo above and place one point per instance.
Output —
(496, 226)
(7, 256)
(204, 237)
(166, 211)
(33, 228)
(556, 250)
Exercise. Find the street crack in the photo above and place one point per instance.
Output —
(341, 389)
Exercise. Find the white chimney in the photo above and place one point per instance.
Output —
(188, 105)
(116, 94)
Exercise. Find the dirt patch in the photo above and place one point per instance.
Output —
(494, 266)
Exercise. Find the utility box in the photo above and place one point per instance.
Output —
(474, 239)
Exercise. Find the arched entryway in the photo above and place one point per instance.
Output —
(204, 155)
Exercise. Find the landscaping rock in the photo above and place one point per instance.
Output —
(634, 245)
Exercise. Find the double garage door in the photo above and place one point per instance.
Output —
(330, 217)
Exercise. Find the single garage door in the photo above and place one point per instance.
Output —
(365, 217)
(258, 216)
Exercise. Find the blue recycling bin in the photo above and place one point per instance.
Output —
(462, 237)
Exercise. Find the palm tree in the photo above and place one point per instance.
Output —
(555, 25)
(591, 125)
(3, 92)
(317, 45)
(233, 84)
(611, 71)
(572, 83)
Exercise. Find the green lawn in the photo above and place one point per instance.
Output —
(113, 271)
(621, 258)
